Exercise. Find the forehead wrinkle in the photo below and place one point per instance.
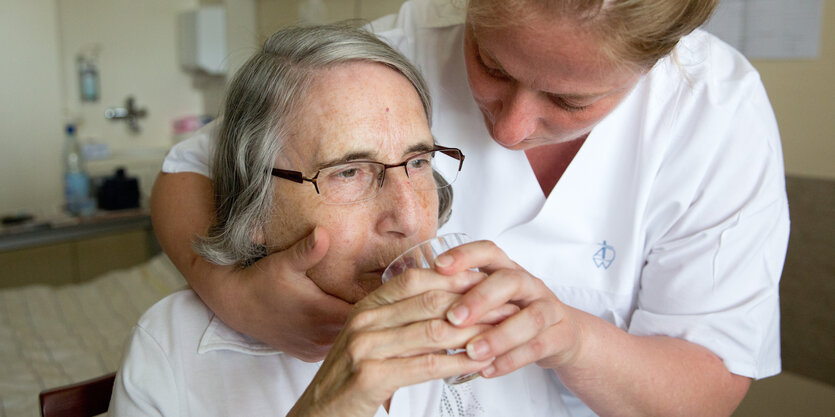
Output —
(358, 120)
(379, 133)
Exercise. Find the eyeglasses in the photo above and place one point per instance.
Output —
(355, 181)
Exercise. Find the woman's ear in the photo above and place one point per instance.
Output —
(257, 236)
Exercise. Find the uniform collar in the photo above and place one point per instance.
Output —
(219, 336)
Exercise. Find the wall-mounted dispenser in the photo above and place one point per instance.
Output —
(88, 74)
(202, 40)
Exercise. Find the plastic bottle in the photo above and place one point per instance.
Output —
(76, 180)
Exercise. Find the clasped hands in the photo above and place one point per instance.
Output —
(504, 316)
(543, 330)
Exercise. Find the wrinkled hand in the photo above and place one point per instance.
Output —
(543, 331)
(392, 339)
(296, 316)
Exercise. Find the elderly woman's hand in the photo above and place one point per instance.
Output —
(394, 337)
(544, 331)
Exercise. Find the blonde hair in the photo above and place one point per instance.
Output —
(631, 33)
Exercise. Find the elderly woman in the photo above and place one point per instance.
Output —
(326, 129)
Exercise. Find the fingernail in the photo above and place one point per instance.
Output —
(478, 350)
(311, 241)
(443, 261)
(458, 314)
(490, 370)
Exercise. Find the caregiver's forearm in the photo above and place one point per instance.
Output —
(182, 209)
(618, 374)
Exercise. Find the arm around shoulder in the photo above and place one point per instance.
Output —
(266, 300)
(182, 209)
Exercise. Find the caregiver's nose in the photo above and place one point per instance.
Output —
(516, 118)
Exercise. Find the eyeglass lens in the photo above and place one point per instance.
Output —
(357, 181)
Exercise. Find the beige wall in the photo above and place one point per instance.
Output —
(802, 92)
(138, 57)
(803, 96)
(30, 105)
(39, 91)
(274, 14)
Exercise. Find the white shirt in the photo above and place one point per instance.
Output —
(672, 219)
(183, 361)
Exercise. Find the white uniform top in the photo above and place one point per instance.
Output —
(183, 361)
(672, 219)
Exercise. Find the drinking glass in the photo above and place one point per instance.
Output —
(423, 255)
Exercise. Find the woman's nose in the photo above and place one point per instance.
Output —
(516, 117)
(400, 205)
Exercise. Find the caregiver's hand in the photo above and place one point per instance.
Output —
(287, 310)
(273, 301)
(392, 339)
(645, 375)
(543, 331)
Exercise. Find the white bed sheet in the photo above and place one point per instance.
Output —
(53, 336)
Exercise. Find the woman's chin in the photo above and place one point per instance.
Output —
(366, 283)
(353, 290)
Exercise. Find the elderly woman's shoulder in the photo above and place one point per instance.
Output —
(179, 315)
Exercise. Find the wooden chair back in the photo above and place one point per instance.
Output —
(84, 399)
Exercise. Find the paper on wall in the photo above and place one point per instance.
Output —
(770, 29)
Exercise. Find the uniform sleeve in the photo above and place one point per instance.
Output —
(145, 384)
(395, 29)
(192, 154)
(712, 272)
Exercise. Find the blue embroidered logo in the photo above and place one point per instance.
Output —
(604, 256)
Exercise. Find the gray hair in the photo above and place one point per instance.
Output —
(262, 101)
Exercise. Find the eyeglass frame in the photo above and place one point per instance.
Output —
(297, 176)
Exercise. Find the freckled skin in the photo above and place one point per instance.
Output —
(355, 107)
(518, 105)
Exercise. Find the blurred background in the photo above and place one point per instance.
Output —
(134, 78)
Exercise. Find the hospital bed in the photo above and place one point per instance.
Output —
(52, 336)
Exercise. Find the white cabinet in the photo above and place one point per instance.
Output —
(202, 39)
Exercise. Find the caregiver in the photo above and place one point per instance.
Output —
(647, 208)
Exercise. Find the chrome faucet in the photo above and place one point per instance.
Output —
(129, 113)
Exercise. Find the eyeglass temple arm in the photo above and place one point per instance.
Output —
(295, 176)
(452, 153)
